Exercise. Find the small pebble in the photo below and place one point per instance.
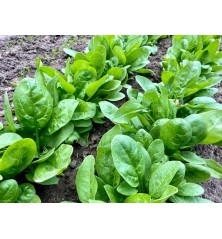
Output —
(73, 164)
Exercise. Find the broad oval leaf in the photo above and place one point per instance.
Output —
(108, 109)
(190, 189)
(9, 191)
(156, 151)
(130, 159)
(161, 178)
(27, 193)
(17, 157)
(33, 104)
(54, 165)
(61, 116)
(104, 161)
(119, 52)
(144, 138)
(84, 110)
(198, 127)
(86, 184)
(176, 133)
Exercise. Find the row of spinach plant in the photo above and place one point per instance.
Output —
(149, 155)
(57, 108)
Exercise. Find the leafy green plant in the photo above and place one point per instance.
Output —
(12, 192)
(148, 156)
(192, 65)
(134, 169)
(44, 125)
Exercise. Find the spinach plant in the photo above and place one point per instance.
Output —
(43, 126)
(192, 66)
(135, 168)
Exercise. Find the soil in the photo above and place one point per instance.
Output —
(17, 60)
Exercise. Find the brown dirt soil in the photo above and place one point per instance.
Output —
(17, 60)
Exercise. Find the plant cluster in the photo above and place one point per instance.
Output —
(149, 155)
(53, 110)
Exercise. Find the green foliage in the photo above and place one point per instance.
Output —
(147, 156)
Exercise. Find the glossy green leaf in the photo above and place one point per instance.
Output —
(196, 173)
(62, 114)
(113, 195)
(181, 199)
(189, 157)
(138, 198)
(8, 113)
(119, 52)
(144, 138)
(27, 193)
(84, 110)
(213, 121)
(161, 178)
(9, 191)
(209, 52)
(7, 139)
(101, 192)
(187, 73)
(78, 65)
(104, 161)
(170, 191)
(176, 133)
(92, 88)
(108, 109)
(118, 73)
(97, 60)
(198, 127)
(70, 52)
(33, 104)
(53, 91)
(144, 82)
(44, 156)
(190, 189)
(127, 111)
(115, 96)
(86, 184)
(138, 58)
(54, 140)
(125, 189)
(179, 176)
(54, 165)
(35, 199)
(156, 151)
(17, 157)
(214, 168)
(54, 73)
(130, 159)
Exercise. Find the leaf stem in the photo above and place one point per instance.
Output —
(37, 141)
